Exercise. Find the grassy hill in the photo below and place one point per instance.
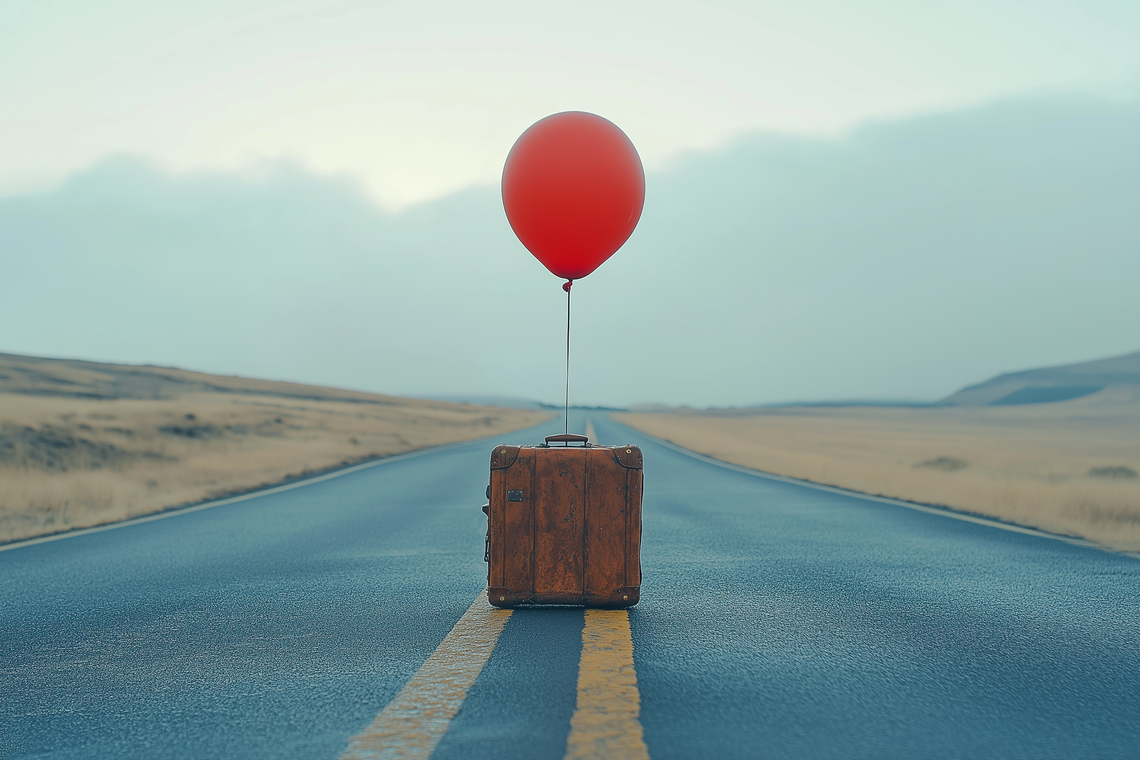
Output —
(1025, 447)
(74, 378)
(84, 443)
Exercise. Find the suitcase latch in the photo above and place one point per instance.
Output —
(514, 495)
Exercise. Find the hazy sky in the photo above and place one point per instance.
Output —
(845, 199)
(905, 260)
(419, 99)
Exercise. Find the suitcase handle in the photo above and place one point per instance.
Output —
(567, 438)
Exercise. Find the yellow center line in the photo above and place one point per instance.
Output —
(590, 432)
(605, 724)
(414, 722)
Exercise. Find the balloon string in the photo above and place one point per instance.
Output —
(566, 410)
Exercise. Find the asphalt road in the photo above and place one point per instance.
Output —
(776, 620)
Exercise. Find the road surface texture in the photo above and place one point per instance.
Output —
(777, 620)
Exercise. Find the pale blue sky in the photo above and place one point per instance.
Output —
(845, 199)
(904, 261)
(418, 99)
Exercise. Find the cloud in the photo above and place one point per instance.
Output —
(906, 259)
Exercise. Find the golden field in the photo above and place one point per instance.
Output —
(73, 454)
(1067, 467)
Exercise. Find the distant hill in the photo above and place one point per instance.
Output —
(1039, 386)
(73, 378)
(489, 399)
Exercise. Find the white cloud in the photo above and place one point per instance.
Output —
(905, 261)
(420, 99)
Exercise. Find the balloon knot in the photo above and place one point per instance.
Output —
(566, 285)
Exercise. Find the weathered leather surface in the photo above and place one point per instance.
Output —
(628, 456)
(574, 536)
(504, 456)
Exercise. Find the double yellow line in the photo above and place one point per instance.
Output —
(605, 723)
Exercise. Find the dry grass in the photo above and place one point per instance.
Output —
(73, 462)
(1063, 467)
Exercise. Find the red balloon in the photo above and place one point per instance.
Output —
(573, 190)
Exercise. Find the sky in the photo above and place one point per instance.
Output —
(844, 200)
(902, 261)
(421, 99)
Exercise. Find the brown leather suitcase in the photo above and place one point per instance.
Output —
(564, 524)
